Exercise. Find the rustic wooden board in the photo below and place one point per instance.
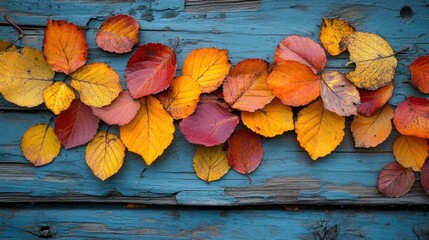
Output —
(117, 222)
(286, 174)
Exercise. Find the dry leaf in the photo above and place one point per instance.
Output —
(411, 152)
(420, 73)
(245, 151)
(118, 34)
(412, 117)
(371, 101)
(424, 177)
(210, 163)
(395, 180)
(58, 97)
(6, 45)
(331, 34)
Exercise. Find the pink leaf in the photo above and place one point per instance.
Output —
(121, 111)
(77, 125)
(424, 177)
(394, 180)
(209, 125)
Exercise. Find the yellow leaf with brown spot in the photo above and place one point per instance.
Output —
(40, 145)
(105, 155)
(24, 75)
(410, 151)
(97, 83)
(150, 132)
(182, 97)
(210, 163)
(207, 66)
(274, 119)
(331, 34)
(372, 131)
(374, 58)
(318, 130)
(58, 97)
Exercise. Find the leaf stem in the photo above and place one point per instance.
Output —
(177, 43)
(108, 128)
(16, 27)
(250, 180)
(51, 120)
(402, 50)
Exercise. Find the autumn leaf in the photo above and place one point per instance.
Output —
(64, 46)
(245, 151)
(76, 125)
(122, 110)
(209, 125)
(215, 97)
(40, 145)
(150, 69)
(274, 119)
(395, 180)
(207, 66)
(411, 117)
(181, 98)
(58, 97)
(294, 83)
(318, 130)
(118, 34)
(420, 73)
(338, 94)
(246, 86)
(371, 101)
(374, 58)
(24, 75)
(424, 177)
(97, 83)
(372, 131)
(150, 132)
(105, 155)
(6, 45)
(303, 50)
(411, 152)
(331, 34)
(210, 163)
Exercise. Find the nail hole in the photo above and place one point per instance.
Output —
(46, 232)
(406, 14)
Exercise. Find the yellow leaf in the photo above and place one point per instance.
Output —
(40, 145)
(182, 97)
(97, 83)
(24, 75)
(210, 163)
(372, 131)
(150, 132)
(58, 97)
(6, 45)
(410, 151)
(318, 130)
(208, 66)
(105, 155)
(274, 119)
(331, 34)
(374, 58)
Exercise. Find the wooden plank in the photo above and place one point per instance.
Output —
(286, 175)
(114, 222)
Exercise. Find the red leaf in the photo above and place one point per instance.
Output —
(209, 125)
(76, 125)
(411, 117)
(371, 101)
(420, 73)
(424, 177)
(394, 180)
(120, 112)
(215, 97)
(303, 50)
(150, 69)
(245, 151)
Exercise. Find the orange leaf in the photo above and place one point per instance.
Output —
(372, 131)
(64, 46)
(40, 145)
(412, 117)
(105, 155)
(331, 34)
(210, 163)
(411, 152)
(371, 101)
(294, 83)
(150, 132)
(181, 98)
(274, 119)
(420, 73)
(246, 86)
(318, 130)
(338, 94)
(58, 97)
(207, 66)
(118, 34)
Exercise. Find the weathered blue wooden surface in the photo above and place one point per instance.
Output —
(116, 222)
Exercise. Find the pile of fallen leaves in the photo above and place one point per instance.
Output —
(209, 98)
